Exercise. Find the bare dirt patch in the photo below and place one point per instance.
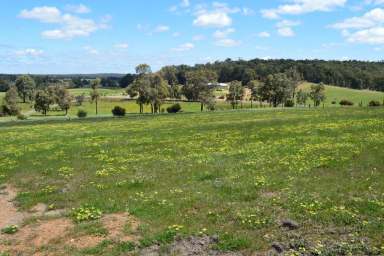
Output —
(51, 228)
(9, 215)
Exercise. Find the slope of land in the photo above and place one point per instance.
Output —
(305, 181)
(336, 94)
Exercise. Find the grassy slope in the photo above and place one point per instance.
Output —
(334, 93)
(234, 173)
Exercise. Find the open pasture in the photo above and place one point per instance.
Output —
(336, 94)
(236, 174)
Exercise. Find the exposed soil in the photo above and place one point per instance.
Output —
(50, 228)
(9, 215)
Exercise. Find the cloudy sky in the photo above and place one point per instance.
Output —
(58, 36)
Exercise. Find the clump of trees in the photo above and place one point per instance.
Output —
(149, 88)
(52, 95)
(10, 106)
(26, 87)
(317, 94)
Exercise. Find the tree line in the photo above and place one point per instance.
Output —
(350, 74)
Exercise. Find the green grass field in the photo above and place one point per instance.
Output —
(236, 174)
(102, 91)
(334, 93)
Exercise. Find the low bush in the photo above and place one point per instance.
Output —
(9, 230)
(82, 113)
(21, 116)
(346, 103)
(334, 102)
(374, 103)
(289, 104)
(175, 108)
(118, 111)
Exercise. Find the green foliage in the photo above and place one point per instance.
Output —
(9, 230)
(81, 113)
(143, 69)
(43, 100)
(236, 93)
(374, 103)
(22, 117)
(10, 102)
(289, 104)
(25, 87)
(301, 97)
(118, 111)
(317, 94)
(86, 213)
(149, 89)
(346, 103)
(228, 242)
(175, 108)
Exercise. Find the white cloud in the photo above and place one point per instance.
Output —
(264, 34)
(184, 47)
(80, 8)
(29, 52)
(367, 29)
(284, 28)
(161, 28)
(227, 42)
(297, 7)
(71, 26)
(176, 34)
(368, 36)
(369, 19)
(44, 14)
(213, 19)
(220, 34)
(121, 46)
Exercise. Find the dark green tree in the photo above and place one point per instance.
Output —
(43, 101)
(10, 101)
(25, 87)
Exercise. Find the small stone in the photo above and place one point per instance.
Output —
(215, 239)
(278, 247)
(290, 224)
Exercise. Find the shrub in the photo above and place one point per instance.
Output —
(374, 103)
(289, 104)
(346, 103)
(175, 108)
(118, 111)
(333, 102)
(82, 113)
(21, 116)
(86, 214)
(9, 230)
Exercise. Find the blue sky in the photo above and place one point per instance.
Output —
(89, 36)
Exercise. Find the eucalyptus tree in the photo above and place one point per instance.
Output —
(95, 95)
(26, 87)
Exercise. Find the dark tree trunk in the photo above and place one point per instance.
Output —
(202, 107)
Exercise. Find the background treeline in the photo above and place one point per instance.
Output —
(349, 74)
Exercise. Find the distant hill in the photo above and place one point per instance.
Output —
(336, 94)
